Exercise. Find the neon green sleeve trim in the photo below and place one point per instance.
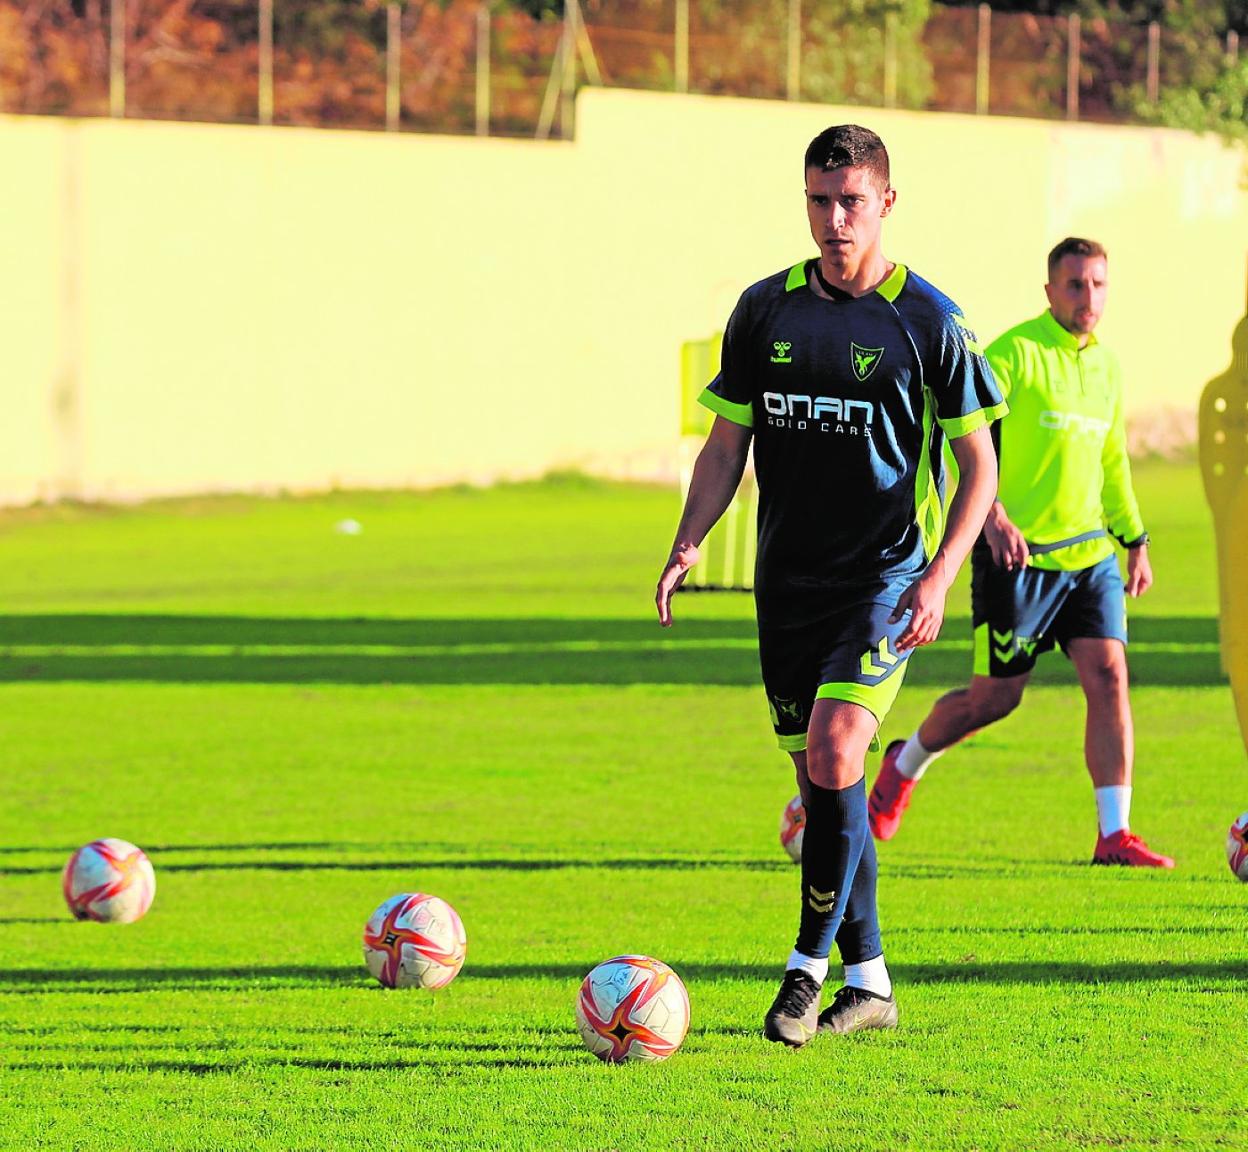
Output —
(796, 280)
(741, 414)
(964, 425)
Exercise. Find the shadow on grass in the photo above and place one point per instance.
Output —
(919, 870)
(442, 1057)
(339, 860)
(211, 649)
(93, 981)
(455, 864)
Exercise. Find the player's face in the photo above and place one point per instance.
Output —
(846, 209)
(1077, 291)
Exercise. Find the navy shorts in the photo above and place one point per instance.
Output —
(850, 654)
(1020, 614)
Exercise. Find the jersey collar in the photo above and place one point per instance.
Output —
(890, 288)
(1059, 336)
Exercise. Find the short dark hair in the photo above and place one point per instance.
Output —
(849, 146)
(1074, 246)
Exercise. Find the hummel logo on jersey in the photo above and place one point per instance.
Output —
(782, 356)
(864, 359)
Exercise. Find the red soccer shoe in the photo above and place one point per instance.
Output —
(890, 797)
(1128, 850)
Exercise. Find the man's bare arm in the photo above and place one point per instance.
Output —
(716, 475)
(977, 488)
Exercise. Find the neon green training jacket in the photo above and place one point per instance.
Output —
(1064, 469)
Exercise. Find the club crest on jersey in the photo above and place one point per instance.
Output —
(863, 359)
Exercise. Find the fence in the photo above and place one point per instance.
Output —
(470, 66)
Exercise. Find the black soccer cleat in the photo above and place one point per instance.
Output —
(794, 1014)
(853, 1009)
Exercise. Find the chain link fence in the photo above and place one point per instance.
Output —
(467, 66)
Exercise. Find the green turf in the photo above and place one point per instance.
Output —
(471, 698)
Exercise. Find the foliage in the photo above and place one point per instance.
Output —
(1220, 107)
(844, 57)
(199, 59)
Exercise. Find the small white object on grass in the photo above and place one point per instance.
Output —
(349, 527)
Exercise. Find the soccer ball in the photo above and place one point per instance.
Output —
(109, 880)
(793, 828)
(1237, 847)
(414, 941)
(632, 1008)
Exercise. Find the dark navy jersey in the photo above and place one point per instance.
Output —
(850, 401)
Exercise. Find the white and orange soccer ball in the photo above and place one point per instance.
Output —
(1237, 847)
(793, 828)
(109, 880)
(632, 1008)
(415, 941)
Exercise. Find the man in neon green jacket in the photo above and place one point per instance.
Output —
(1044, 571)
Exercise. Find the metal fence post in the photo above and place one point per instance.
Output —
(394, 47)
(793, 73)
(983, 59)
(567, 79)
(117, 59)
(483, 70)
(681, 47)
(1152, 81)
(890, 59)
(264, 94)
(1232, 47)
(1072, 66)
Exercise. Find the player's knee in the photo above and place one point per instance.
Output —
(1106, 678)
(831, 766)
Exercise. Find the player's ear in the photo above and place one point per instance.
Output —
(890, 198)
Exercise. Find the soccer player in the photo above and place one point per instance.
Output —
(848, 372)
(1044, 571)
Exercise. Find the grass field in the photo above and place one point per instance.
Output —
(471, 698)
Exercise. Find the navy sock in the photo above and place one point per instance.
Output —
(836, 834)
(859, 937)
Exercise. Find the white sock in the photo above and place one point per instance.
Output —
(913, 759)
(871, 976)
(816, 966)
(1113, 808)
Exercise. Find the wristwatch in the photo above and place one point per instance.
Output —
(1138, 542)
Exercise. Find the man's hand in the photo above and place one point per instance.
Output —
(925, 599)
(1139, 571)
(683, 557)
(1009, 549)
